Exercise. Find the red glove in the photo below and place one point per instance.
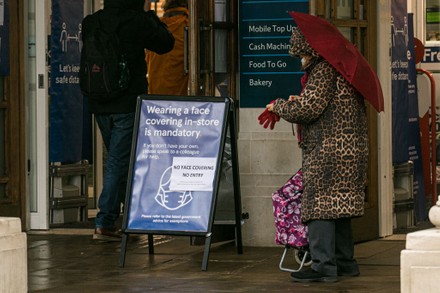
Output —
(268, 119)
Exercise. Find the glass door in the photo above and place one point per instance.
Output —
(212, 63)
(432, 21)
(213, 48)
(356, 21)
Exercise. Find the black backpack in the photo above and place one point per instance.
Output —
(103, 73)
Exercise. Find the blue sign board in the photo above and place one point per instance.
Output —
(267, 71)
(175, 161)
(414, 142)
(431, 55)
(399, 81)
(70, 122)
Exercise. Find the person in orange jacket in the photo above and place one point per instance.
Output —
(166, 74)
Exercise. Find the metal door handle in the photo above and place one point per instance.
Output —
(185, 51)
(210, 66)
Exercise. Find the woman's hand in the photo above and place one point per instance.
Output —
(269, 107)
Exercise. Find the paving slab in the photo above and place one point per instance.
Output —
(73, 262)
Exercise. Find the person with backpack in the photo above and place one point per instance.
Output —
(166, 73)
(112, 76)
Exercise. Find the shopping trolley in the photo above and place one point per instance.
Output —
(290, 231)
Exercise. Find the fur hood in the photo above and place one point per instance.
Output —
(299, 46)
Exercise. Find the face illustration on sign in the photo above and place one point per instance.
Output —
(171, 200)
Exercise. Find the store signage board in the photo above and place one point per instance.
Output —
(176, 157)
(175, 168)
(70, 131)
(431, 55)
(267, 71)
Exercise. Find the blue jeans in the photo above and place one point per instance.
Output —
(117, 133)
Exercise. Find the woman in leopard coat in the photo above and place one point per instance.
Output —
(334, 145)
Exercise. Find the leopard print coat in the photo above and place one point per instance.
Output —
(334, 142)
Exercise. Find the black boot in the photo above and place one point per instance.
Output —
(311, 275)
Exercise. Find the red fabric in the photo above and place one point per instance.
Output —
(304, 79)
(326, 39)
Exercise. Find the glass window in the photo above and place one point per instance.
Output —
(2, 191)
(345, 9)
(221, 17)
(2, 142)
(432, 17)
(2, 88)
(221, 36)
(362, 10)
(347, 32)
(2, 128)
(363, 41)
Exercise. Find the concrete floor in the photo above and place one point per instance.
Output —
(59, 262)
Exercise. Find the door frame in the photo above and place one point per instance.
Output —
(384, 122)
(15, 171)
(38, 138)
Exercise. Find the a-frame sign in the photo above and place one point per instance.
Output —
(177, 150)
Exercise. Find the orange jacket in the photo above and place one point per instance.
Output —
(165, 72)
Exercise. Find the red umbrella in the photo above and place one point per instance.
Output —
(326, 39)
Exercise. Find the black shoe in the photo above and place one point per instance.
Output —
(311, 275)
(347, 273)
(104, 234)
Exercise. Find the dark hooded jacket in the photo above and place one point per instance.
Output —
(137, 30)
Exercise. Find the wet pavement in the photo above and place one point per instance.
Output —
(70, 261)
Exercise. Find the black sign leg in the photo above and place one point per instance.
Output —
(150, 244)
(123, 250)
(236, 179)
(206, 252)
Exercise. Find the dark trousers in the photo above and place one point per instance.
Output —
(331, 246)
(117, 132)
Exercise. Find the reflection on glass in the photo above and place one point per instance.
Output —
(347, 32)
(2, 191)
(221, 36)
(221, 49)
(221, 46)
(344, 9)
(362, 10)
(432, 20)
(2, 143)
(220, 10)
(2, 88)
(327, 9)
(363, 41)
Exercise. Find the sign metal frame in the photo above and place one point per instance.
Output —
(136, 170)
